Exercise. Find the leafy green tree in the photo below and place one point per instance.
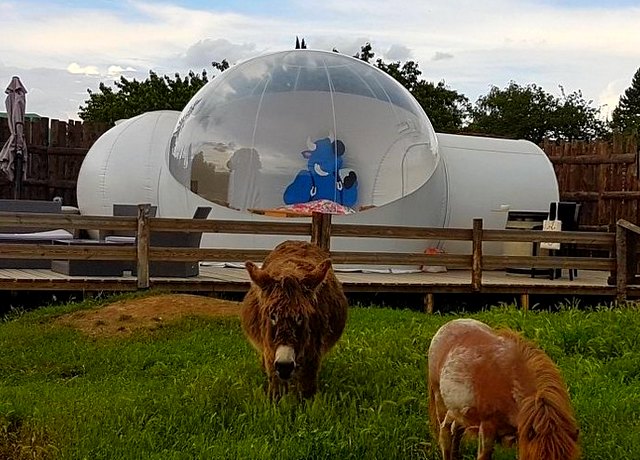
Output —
(529, 112)
(446, 108)
(129, 98)
(366, 53)
(625, 118)
(575, 118)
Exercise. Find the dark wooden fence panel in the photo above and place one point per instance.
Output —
(56, 150)
(602, 176)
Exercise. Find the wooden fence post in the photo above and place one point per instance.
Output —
(632, 257)
(621, 263)
(429, 302)
(476, 266)
(633, 237)
(142, 246)
(627, 236)
(321, 230)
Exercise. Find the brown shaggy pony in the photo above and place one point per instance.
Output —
(501, 387)
(294, 312)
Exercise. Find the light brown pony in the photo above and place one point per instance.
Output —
(294, 313)
(501, 387)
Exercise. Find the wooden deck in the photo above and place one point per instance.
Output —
(608, 262)
(224, 279)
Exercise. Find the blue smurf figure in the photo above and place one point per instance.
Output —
(324, 178)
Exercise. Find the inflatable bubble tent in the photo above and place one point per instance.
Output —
(265, 132)
(299, 126)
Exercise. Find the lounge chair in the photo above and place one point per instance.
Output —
(172, 240)
(22, 235)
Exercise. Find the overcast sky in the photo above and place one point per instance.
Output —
(60, 49)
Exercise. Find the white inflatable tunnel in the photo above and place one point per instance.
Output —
(123, 165)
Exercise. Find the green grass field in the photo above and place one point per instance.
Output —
(194, 389)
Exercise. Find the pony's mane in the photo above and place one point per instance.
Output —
(287, 290)
(546, 373)
(546, 424)
(290, 287)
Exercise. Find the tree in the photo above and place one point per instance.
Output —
(529, 112)
(300, 46)
(625, 118)
(446, 108)
(132, 97)
(366, 53)
(575, 118)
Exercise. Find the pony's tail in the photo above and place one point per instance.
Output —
(547, 428)
(433, 411)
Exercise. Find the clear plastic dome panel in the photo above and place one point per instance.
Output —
(303, 126)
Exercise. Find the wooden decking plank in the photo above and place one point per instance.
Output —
(224, 273)
(226, 279)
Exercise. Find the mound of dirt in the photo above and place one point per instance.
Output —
(126, 316)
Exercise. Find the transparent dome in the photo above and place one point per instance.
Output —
(300, 127)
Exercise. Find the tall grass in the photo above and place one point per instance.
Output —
(194, 389)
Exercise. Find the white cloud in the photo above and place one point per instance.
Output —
(608, 99)
(116, 70)
(398, 53)
(439, 56)
(202, 53)
(349, 45)
(75, 68)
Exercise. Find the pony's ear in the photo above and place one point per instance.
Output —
(339, 147)
(317, 276)
(260, 277)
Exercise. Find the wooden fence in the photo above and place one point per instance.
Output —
(602, 175)
(622, 261)
(56, 150)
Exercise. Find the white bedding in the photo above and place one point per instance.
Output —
(58, 234)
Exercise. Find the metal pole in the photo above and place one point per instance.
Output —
(18, 133)
(17, 183)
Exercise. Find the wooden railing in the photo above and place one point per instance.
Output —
(622, 246)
